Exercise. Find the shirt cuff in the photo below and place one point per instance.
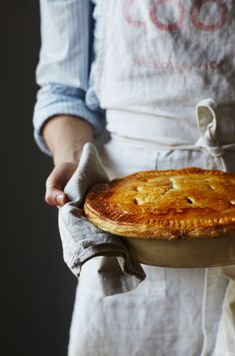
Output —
(51, 104)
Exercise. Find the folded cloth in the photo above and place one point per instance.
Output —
(82, 241)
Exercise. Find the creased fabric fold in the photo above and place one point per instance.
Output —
(82, 241)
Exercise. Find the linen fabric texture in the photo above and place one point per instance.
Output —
(81, 240)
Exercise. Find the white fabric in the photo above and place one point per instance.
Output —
(81, 240)
(141, 125)
(158, 61)
(146, 67)
(225, 342)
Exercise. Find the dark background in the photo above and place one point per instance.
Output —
(37, 288)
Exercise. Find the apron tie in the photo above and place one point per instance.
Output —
(207, 124)
(209, 145)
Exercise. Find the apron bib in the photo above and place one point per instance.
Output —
(165, 73)
(162, 57)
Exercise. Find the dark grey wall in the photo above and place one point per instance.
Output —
(37, 289)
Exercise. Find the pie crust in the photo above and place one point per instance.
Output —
(171, 204)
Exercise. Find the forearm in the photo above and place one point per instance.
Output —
(65, 136)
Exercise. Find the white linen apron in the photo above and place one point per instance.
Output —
(157, 61)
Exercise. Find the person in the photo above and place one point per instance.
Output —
(128, 75)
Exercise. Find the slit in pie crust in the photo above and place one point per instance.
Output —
(170, 204)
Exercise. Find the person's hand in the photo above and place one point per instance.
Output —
(56, 182)
(65, 137)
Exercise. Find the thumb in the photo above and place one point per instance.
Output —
(55, 197)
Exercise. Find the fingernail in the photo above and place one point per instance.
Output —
(60, 199)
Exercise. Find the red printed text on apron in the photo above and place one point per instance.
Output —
(166, 52)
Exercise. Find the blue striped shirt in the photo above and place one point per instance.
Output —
(63, 71)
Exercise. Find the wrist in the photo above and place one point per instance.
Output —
(72, 155)
(66, 136)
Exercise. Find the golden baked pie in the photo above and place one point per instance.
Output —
(170, 204)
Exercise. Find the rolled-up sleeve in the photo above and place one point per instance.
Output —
(63, 69)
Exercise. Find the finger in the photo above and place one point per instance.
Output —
(56, 182)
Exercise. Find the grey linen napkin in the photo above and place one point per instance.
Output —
(82, 241)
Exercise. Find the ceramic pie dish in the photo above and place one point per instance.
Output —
(173, 218)
(183, 253)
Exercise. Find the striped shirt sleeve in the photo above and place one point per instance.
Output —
(63, 69)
